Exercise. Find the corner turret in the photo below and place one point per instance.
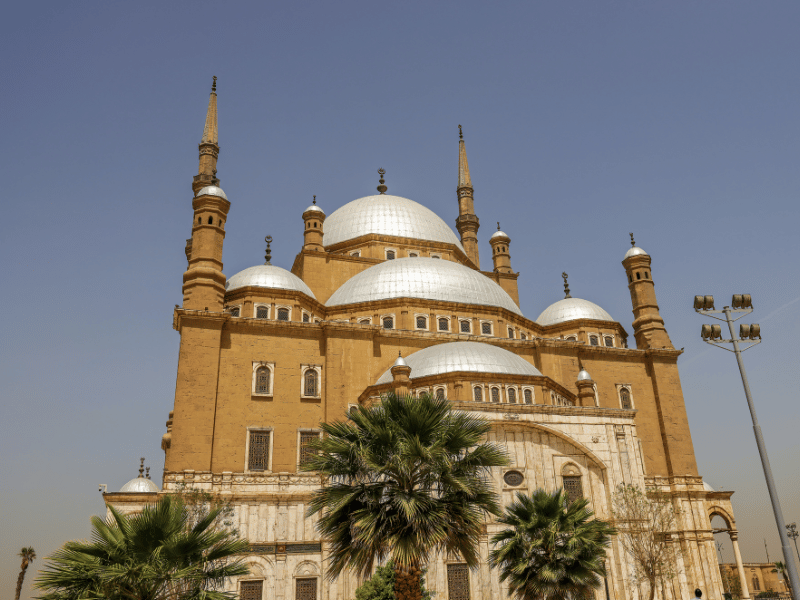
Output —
(313, 217)
(501, 256)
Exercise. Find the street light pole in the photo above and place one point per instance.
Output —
(792, 529)
(712, 334)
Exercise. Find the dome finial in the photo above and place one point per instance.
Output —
(382, 187)
(315, 200)
(460, 133)
(498, 226)
(268, 253)
(147, 472)
(566, 285)
(633, 243)
(214, 85)
(141, 467)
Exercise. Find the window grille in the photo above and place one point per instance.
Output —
(365, 322)
(251, 590)
(306, 318)
(465, 326)
(594, 341)
(390, 255)
(477, 394)
(422, 323)
(609, 341)
(756, 584)
(306, 589)
(234, 311)
(458, 582)
(495, 394)
(311, 383)
(512, 396)
(439, 394)
(528, 396)
(283, 314)
(305, 452)
(573, 487)
(625, 398)
(511, 333)
(486, 328)
(513, 478)
(258, 453)
(262, 312)
(262, 380)
(388, 322)
(444, 325)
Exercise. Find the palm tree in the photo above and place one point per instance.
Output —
(28, 555)
(780, 568)
(552, 549)
(406, 477)
(155, 555)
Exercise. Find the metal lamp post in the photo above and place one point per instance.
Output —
(792, 533)
(751, 335)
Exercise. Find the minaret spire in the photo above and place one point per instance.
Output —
(467, 222)
(209, 146)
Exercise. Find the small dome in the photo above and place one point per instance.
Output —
(387, 215)
(268, 276)
(499, 234)
(473, 357)
(212, 190)
(583, 375)
(570, 309)
(141, 485)
(314, 208)
(400, 362)
(635, 251)
(424, 278)
(707, 487)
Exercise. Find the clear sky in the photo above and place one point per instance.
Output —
(583, 120)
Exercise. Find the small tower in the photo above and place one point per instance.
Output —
(648, 326)
(500, 254)
(209, 146)
(203, 281)
(467, 222)
(585, 388)
(401, 376)
(313, 217)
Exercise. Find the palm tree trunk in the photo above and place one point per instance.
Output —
(407, 583)
(21, 577)
(652, 588)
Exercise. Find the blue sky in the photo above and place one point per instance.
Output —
(583, 121)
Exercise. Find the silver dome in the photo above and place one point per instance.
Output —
(314, 207)
(570, 309)
(425, 278)
(140, 484)
(473, 357)
(400, 362)
(268, 276)
(635, 251)
(498, 234)
(386, 215)
(583, 375)
(212, 190)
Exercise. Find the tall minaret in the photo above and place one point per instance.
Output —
(648, 326)
(467, 222)
(203, 280)
(209, 146)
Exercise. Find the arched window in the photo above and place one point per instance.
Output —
(306, 318)
(573, 487)
(571, 338)
(283, 314)
(444, 324)
(262, 380)
(465, 326)
(609, 341)
(512, 396)
(486, 328)
(388, 322)
(390, 255)
(262, 312)
(593, 340)
(234, 311)
(477, 393)
(625, 398)
(311, 383)
(756, 584)
(495, 394)
(422, 323)
(638, 275)
(511, 332)
(439, 394)
(528, 396)
(522, 336)
(210, 220)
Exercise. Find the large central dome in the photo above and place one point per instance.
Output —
(386, 215)
(425, 278)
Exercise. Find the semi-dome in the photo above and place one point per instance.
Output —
(424, 278)
(140, 484)
(473, 357)
(268, 276)
(634, 251)
(212, 190)
(386, 215)
(570, 309)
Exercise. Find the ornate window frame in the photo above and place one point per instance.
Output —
(394, 321)
(423, 390)
(491, 327)
(629, 388)
(256, 366)
(230, 307)
(511, 333)
(448, 319)
(300, 432)
(532, 390)
(492, 387)
(516, 394)
(468, 321)
(303, 370)
(305, 316)
(386, 253)
(594, 336)
(571, 338)
(257, 305)
(609, 336)
(364, 320)
(247, 448)
(482, 388)
(427, 321)
(278, 308)
(251, 580)
(439, 388)
(570, 469)
(307, 569)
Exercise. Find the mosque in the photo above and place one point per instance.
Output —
(383, 295)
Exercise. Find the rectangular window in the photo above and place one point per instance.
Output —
(593, 341)
(510, 333)
(486, 328)
(465, 328)
(422, 323)
(262, 312)
(609, 341)
(458, 582)
(258, 452)
(283, 314)
(573, 487)
(305, 589)
(307, 437)
(251, 590)
(306, 318)
(234, 311)
(444, 324)
(390, 255)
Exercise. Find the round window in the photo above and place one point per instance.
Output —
(513, 478)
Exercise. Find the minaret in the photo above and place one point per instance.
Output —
(500, 254)
(313, 217)
(203, 281)
(467, 222)
(209, 146)
(648, 326)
